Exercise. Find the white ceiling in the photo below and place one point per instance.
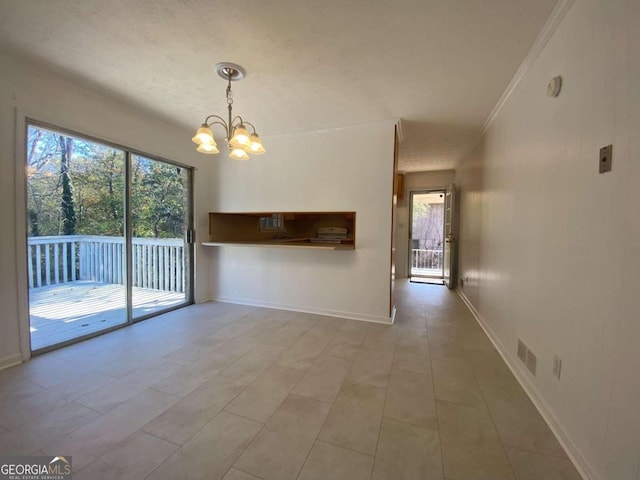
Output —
(440, 65)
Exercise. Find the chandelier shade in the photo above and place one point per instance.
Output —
(256, 144)
(239, 140)
(210, 148)
(238, 154)
(203, 135)
(240, 137)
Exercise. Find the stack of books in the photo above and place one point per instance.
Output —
(331, 235)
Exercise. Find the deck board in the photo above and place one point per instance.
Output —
(65, 311)
(426, 272)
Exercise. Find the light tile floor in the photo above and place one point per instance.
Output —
(234, 392)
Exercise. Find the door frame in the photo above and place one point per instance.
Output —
(420, 191)
(449, 261)
(22, 122)
(189, 245)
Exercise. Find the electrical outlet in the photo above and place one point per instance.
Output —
(606, 156)
(557, 366)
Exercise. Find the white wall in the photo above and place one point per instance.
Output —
(414, 181)
(347, 169)
(551, 248)
(32, 91)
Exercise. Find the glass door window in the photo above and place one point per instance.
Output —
(427, 229)
(160, 222)
(76, 237)
(91, 266)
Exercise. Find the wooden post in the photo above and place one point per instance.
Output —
(73, 261)
(180, 264)
(65, 264)
(173, 269)
(30, 262)
(47, 265)
(56, 263)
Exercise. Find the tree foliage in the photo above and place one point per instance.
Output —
(164, 185)
(428, 223)
(67, 205)
(77, 187)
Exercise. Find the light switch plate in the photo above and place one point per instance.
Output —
(557, 366)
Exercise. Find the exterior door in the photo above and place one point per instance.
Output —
(426, 234)
(449, 236)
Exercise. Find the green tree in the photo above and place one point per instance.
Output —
(157, 198)
(77, 187)
(43, 182)
(67, 204)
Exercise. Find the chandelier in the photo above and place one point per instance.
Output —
(238, 139)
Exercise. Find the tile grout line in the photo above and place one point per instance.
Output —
(236, 415)
(118, 444)
(243, 471)
(140, 430)
(221, 410)
(493, 422)
(345, 448)
(384, 407)
(162, 463)
(306, 370)
(315, 440)
(436, 400)
(435, 397)
(212, 418)
(265, 424)
(334, 401)
(403, 327)
(540, 454)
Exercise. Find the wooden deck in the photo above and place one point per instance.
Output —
(426, 272)
(68, 310)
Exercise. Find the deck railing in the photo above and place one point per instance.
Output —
(157, 263)
(426, 259)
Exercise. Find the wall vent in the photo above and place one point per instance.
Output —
(531, 362)
(522, 351)
(527, 357)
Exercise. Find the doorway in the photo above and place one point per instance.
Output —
(426, 236)
(107, 232)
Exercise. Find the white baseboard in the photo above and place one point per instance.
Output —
(318, 311)
(10, 361)
(579, 460)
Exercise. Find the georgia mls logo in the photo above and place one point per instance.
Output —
(35, 468)
(60, 466)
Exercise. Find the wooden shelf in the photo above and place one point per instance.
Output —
(279, 229)
(283, 244)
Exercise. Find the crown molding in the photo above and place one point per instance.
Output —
(549, 28)
(400, 132)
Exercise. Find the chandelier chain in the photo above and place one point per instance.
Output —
(229, 92)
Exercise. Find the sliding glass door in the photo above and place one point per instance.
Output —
(106, 231)
(160, 223)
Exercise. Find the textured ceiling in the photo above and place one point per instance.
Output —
(440, 65)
